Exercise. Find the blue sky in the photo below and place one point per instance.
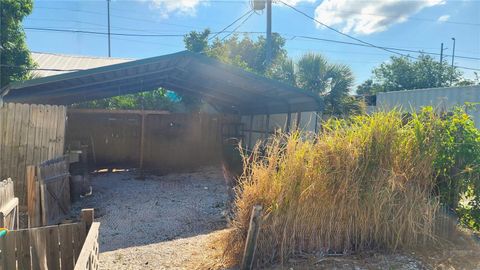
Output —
(407, 24)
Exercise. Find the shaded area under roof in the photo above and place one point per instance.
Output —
(228, 88)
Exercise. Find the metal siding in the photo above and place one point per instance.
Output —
(439, 98)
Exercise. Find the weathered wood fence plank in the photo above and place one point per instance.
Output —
(29, 134)
(57, 247)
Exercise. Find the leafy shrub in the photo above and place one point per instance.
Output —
(457, 162)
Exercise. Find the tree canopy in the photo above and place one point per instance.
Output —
(15, 57)
(312, 72)
(403, 73)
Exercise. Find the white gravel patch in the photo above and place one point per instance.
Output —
(138, 214)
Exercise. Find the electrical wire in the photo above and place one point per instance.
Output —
(240, 25)
(234, 22)
(357, 39)
(249, 32)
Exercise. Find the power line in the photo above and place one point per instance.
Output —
(388, 49)
(340, 32)
(240, 25)
(101, 33)
(357, 39)
(234, 22)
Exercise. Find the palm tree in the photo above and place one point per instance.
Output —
(331, 81)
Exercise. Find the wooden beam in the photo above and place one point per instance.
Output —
(142, 144)
(252, 236)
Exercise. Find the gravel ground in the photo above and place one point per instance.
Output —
(138, 216)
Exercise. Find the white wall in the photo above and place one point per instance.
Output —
(260, 131)
(441, 99)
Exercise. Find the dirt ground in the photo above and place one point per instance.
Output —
(172, 221)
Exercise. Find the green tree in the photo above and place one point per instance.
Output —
(242, 51)
(331, 81)
(15, 57)
(197, 41)
(403, 73)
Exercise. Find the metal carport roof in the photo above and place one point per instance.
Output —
(224, 86)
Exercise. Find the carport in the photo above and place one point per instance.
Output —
(259, 105)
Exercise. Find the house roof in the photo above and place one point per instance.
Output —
(50, 64)
(226, 87)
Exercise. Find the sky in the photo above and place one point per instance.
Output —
(404, 24)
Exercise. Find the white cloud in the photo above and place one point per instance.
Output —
(183, 7)
(443, 18)
(189, 7)
(367, 17)
(295, 2)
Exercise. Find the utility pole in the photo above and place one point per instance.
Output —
(441, 53)
(439, 83)
(453, 52)
(268, 59)
(108, 14)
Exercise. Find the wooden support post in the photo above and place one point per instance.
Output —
(299, 118)
(250, 133)
(267, 124)
(289, 121)
(87, 215)
(142, 143)
(251, 242)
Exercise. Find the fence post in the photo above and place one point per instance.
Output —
(87, 216)
(251, 242)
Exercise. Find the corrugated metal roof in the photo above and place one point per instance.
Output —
(50, 64)
(227, 88)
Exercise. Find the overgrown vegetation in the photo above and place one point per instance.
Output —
(366, 182)
(457, 162)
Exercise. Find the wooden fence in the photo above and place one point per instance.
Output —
(29, 134)
(48, 192)
(147, 139)
(52, 247)
(8, 206)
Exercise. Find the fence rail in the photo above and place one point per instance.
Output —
(8, 205)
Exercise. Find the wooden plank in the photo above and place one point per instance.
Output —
(38, 251)
(53, 249)
(21, 190)
(66, 246)
(88, 258)
(8, 251)
(8, 140)
(251, 241)
(45, 131)
(15, 147)
(22, 241)
(32, 199)
(43, 204)
(38, 122)
(2, 132)
(79, 235)
(60, 133)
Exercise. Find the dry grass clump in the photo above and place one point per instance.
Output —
(364, 183)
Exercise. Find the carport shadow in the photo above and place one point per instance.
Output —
(160, 208)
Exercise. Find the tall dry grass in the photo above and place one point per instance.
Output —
(363, 183)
